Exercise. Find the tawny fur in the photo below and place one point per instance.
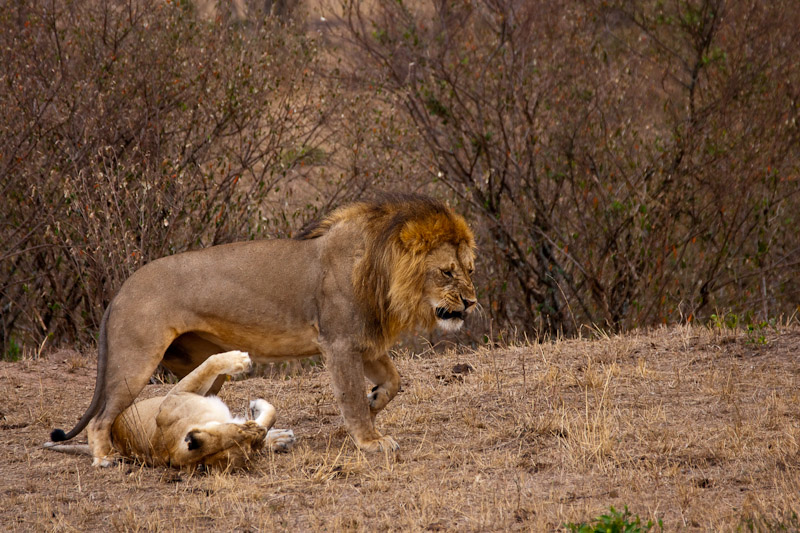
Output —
(400, 232)
(186, 429)
(345, 288)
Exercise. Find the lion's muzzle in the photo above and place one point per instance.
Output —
(445, 314)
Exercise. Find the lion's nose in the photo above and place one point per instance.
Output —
(468, 303)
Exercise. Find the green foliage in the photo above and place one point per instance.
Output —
(727, 320)
(755, 332)
(754, 329)
(13, 351)
(614, 522)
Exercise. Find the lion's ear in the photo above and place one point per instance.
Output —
(193, 440)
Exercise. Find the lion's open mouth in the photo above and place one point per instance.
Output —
(446, 314)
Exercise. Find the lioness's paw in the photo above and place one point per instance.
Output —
(280, 440)
(262, 412)
(234, 362)
(382, 444)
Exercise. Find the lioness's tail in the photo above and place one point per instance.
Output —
(74, 449)
(99, 398)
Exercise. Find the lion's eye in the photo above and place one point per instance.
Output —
(447, 273)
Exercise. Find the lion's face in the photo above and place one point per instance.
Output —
(448, 284)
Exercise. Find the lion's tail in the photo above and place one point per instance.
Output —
(99, 398)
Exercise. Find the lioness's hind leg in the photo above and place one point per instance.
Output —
(263, 413)
(202, 379)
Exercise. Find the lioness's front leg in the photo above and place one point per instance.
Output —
(263, 413)
(382, 372)
(347, 377)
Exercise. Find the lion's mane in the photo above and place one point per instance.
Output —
(400, 230)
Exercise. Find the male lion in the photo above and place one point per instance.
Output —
(185, 428)
(344, 288)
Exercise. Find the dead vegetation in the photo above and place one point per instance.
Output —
(698, 427)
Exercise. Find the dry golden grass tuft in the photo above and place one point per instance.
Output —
(697, 427)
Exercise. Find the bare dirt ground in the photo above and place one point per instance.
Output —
(697, 427)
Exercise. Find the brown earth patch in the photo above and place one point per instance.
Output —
(696, 427)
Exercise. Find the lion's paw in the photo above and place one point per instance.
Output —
(381, 444)
(280, 440)
(234, 362)
(104, 462)
(377, 399)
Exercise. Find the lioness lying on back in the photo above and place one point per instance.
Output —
(185, 428)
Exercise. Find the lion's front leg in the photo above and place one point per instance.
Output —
(382, 372)
(347, 377)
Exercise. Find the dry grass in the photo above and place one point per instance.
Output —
(699, 428)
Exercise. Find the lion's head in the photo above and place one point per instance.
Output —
(417, 267)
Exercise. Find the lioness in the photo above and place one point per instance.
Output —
(185, 428)
(344, 288)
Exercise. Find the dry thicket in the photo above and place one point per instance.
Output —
(134, 129)
(624, 163)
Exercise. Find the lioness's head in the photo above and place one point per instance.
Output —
(223, 446)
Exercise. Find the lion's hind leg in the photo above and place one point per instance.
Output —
(263, 413)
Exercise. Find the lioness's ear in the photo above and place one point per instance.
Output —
(193, 440)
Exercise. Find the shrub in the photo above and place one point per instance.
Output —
(133, 130)
(627, 163)
(614, 522)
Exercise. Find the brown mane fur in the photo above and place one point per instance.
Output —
(400, 230)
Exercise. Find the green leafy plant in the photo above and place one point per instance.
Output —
(614, 522)
(755, 330)
(724, 321)
(13, 351)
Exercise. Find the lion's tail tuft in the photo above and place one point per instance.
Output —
(58, 435)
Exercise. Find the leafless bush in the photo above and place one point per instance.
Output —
(625, 163)
(628, 163)
(132, 130)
